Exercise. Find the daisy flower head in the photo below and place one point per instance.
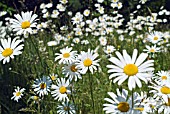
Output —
(87, 60)
(9, 48)
(120, 103)
(66, 108)
(109, 49)
(132, 68)
(155, 37)
(61, 90)
(160, 91)
(42, 85)
(151, 49)
(163, 77)
(53, 76)
(66, 56)
(164, 107)
(23, 24)
(18, 94)
(72, 72)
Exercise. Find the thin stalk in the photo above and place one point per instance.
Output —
(132, 99)
(91, 91)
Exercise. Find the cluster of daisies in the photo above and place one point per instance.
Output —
(133, 71)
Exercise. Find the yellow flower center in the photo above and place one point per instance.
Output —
(87, 62)
(130, 69)
(123, 106)
(43, 85)
(7, 52)
(66, 55)
(168, 104)
(73, 68)
(63, 89)
(53, 77)
(139, 108)
(152, 50)
(155, 38)
(164, 77)
(66, 108)
(165, 90)
(18, 94)
(25, 24)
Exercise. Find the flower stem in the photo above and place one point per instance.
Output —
(91, 91)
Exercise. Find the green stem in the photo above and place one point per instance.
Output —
(91, 91)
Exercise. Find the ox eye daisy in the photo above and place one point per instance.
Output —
(120, 103)
(18, 94)
(155, 37)
(134, 69)
(66, 108)
(42, 86)
(61, 90)
(66, 56)
(10, 48)
(72, 72)
(87, 60)
(23, 24)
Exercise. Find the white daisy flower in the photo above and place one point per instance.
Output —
(66, 108)
(24, 23)
(86, 12)
(86, 60)
(52, 43)
(131, 68)
(72, 72)
(152, 49)
(109, 49)
(163, 77)
(53, 76)
(42, 86)
(155, 37)
(120, 104)
(160, 91)
(10, 48)
(164, 107)
(61, 89)
(66, 56)
(18, 93)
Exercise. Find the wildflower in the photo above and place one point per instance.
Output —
(18, 94)
(72, 72)
(24, 23)
(120, 104)
(10, 48)
(66, 108)
(66, 56)
(130, 68)
(109, 49)
(53, 76)
(86, 60)
(155, 37)
(152, 49)
(86, 12)
(52, 43)
(61, 89)
(42, 86)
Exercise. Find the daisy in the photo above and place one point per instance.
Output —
(18, 93)
(86, 12)
(61, 89)
(66, 56)
(155, 37)
(164, 107)
(120, 104)
(10, 48)
(152, 49)
(163, 76)
(66, 108)
(72, 72)
(160, 91)
(86, 60)
(42, 86)
(131, 68)
(24, 23)
(53, 76)
(109, 49)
